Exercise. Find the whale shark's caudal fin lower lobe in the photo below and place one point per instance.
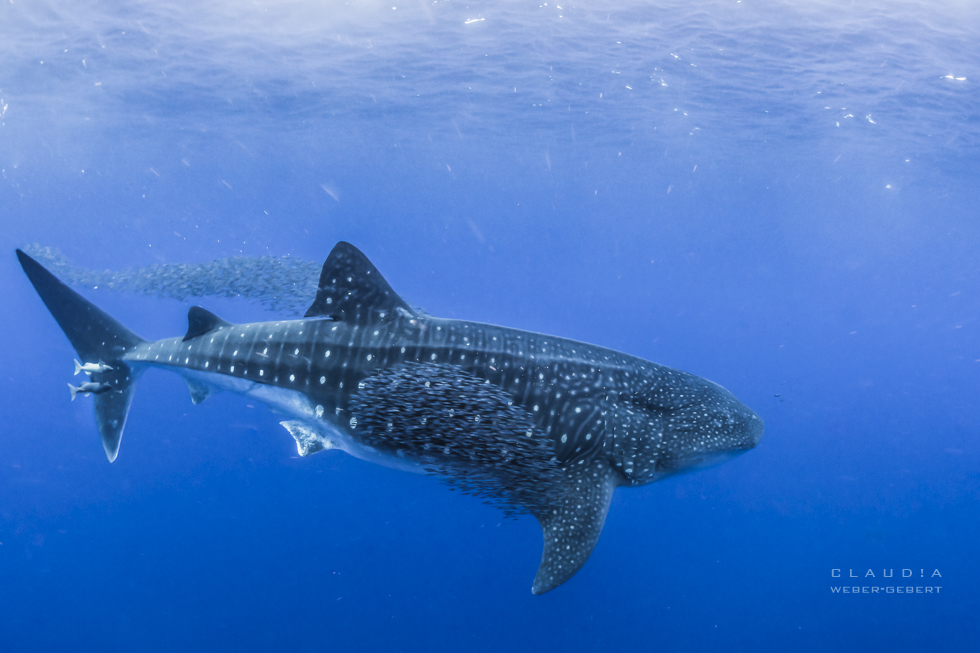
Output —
(96, 336)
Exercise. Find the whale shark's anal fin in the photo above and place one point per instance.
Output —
(572, 524)
(199, 391)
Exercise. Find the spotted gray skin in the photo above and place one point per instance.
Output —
(530, 422)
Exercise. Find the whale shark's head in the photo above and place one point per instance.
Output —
(710, 428)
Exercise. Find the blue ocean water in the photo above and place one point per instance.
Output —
(778, 196)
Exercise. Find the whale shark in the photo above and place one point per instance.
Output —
(532, 423)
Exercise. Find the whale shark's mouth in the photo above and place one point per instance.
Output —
(704, 461)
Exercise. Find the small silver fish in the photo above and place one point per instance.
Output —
(89, 388)
(90, 368)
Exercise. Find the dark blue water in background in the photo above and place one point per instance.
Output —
(780, 197)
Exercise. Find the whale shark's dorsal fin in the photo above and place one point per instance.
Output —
(352, 290)
(200, 321)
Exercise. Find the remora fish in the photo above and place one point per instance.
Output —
(88, 389)
(89, 368)
(533, 423)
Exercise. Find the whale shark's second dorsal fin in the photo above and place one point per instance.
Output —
(201, 321)
(352, 290)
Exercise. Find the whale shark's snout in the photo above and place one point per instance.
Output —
(739, 425)
(742, 427)
(709, 429)
(753, 427)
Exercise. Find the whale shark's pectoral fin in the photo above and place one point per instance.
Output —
(308, 440)
(571, 526)
(199, 391)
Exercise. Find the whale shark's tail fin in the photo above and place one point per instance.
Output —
(96, 336)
